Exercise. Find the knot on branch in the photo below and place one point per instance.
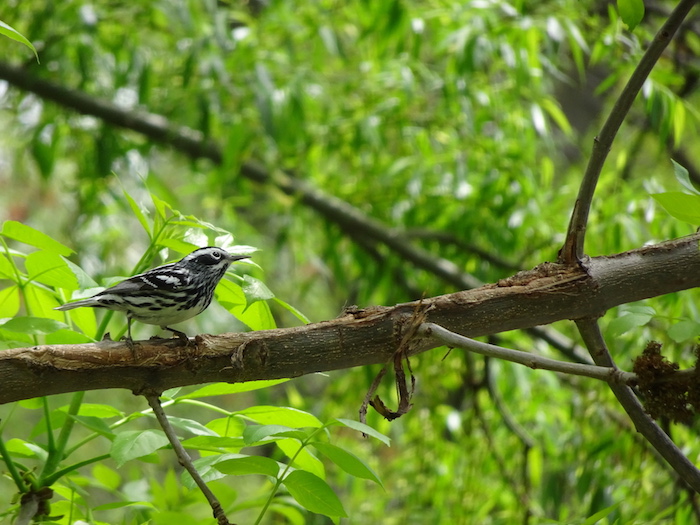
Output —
(666, 391)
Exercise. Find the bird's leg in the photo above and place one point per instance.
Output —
(182, 335)
(129, 340)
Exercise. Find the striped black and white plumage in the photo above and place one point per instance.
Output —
(168, 294)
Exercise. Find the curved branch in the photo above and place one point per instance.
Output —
(643, 423)
(573, 245)
(533, 361)
(185, 459)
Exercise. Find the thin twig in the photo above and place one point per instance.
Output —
(645, 425)
(185, 460)
(573, 246)
(603, 373)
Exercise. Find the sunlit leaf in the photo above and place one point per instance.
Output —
(9, 301)
(12, 33)
(365, 429)
(301, 456)
(248, 465)
(28, 235)
(191, 426)
(685, 330)
(255, 290)
(347, 461)
(220, 389)
(33, 325)
(683, 177)
(682, 206)
(133, 444)
(314, 494)
(631, 12)
(273, 415)
(138, 213)
(51, 269)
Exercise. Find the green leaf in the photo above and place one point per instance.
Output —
(631, 12)
(293, 515)
(290, 417)
(84, 280)
(632, 319)
(256, 316)
(124, 504)
(347, 461)
(9, 301)
(230, 426)
(19, 448)
(214, 443)
(177, 245)
(361, 427)
(7, 269)
(249, 465)
(682, 206)
(256, 433)
(108, 477)
(95, 424)
(41, 303)
(96, 410)
(255, 290)
(192, 426)
(28, 235)
(51, 269)
(33, 325)
(314, 494)
(595, 518)
(684, 331)
(67, 337)
(12, 33)
(296, 313)
(221, 389)
(206, 467)
(301, 456)
(683, 177)
(139, 214)
(134, 444)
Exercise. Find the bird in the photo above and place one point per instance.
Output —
(168, 294)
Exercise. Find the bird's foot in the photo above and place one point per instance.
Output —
(181, 335)
(132, 346)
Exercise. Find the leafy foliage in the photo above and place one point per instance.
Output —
(463, 126)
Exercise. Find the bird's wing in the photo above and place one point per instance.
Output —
(164, 278)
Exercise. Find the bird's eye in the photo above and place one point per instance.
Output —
(216, 255)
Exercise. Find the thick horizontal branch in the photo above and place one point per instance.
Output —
(548, 293)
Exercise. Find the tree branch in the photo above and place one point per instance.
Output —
(573, 245)
(548, 293)
(185, 459)
(643, 423)
(534, 361)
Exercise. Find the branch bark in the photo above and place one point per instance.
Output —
(548, 293)
(644, 424)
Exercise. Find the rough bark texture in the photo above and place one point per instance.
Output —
(548, 293)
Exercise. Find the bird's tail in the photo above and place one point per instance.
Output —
(77, 304)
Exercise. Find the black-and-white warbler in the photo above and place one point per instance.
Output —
(168, 294)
